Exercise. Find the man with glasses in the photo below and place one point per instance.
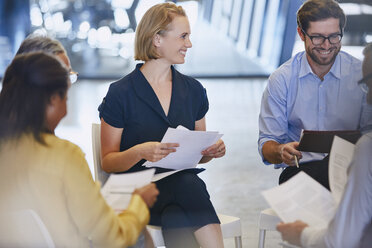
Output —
(352, 224)
(315, 90)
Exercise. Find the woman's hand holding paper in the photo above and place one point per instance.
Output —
(217, 150)
(155, 151)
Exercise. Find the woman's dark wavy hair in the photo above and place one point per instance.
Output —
(29, 83)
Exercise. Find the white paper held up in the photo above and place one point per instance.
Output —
(342, 152)
(302, 198)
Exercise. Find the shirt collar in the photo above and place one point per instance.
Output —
(305, 68)
(145, 92)
(336, 67)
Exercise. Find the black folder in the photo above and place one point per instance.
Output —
(321, 141)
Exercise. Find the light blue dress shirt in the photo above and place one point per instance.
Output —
(295, 99)
(352, 225)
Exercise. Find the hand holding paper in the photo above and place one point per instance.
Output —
(118, 189)
(216, 150)
(189, 152)
(303, 198)
(155, 151)
(148, 193)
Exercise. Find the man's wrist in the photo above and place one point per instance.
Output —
(280, 149)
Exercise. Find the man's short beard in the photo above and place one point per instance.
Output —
(319, 61)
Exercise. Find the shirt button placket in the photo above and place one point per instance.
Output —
(321, 102)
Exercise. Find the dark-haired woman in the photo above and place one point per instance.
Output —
(49, 175)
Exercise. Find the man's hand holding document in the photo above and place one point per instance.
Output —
(189, 152)
(303, 198)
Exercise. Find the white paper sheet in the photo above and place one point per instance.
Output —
(342, 153)
(118, 189)
(302, 198)
(159, 176)
(188, 154)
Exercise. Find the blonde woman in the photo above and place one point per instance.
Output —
(136, 113)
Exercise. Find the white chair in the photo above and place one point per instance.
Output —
(230, 225)
(99, 174)
(24, 228)
(267, 222)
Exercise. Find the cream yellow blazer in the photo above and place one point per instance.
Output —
(55, 181)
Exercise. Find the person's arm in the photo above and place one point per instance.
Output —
(300, 234)
(90, 213)
(273, 122)
(353, 215)
(276, 153)
(216, 150)
(113, 160)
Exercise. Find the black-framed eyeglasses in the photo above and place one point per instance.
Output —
(363, 83)
(318, 40)
(73, 76)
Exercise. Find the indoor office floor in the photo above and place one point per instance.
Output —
(235, 181)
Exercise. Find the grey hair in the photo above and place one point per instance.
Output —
(39, 43)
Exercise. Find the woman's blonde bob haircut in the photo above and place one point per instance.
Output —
(155, 21)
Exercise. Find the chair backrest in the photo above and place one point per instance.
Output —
(99, 174)
(24, 228)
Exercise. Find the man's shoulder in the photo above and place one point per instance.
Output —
(350, 66)
(349, 59)
(289, 68)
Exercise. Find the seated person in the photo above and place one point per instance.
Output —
(314, 90)
(137, 111)
(49, 175)
(39, 43)
(352, 225)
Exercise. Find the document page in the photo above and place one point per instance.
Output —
(118, 189)
(188, 154)
(342, 153)
(302, 198)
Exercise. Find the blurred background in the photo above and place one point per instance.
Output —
(231, 38)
